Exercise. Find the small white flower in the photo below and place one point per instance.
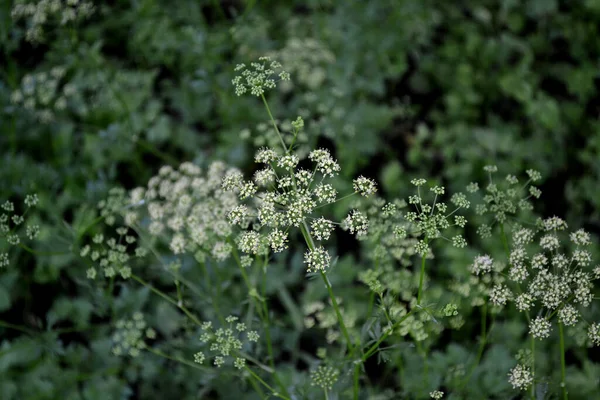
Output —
(364, 186)
(520, 377)
(482, 265)
(322, 228)
(540, 328)
(278, 240)
(317, 259)
(357, 223)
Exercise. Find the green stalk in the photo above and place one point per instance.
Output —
(311, 245)
(265, 384)
(421, 277)
(169, 299)
(356, 376)
(19, 328)
(504, 240)
(563, 364)
(273, 121)
(267, 323)
(375, 346)
(423, 352)
(482, 343)
(263, 312)
(372, 295)
(179, 360)
(533, 367)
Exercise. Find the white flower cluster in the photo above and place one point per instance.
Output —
(503, 200)
(188, 208)
(307, 59)
(41, 13)
(324, 376)
(129, 337)
(430, 220)
(259, 77)
(225, 343)
(113, 255)
(318, 314)
(288, 199)
(520, 377)
(436, 394)
(317, 260)
(553, 280)
(43, 94)
(11, 222)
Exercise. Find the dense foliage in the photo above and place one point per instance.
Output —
(301, 199)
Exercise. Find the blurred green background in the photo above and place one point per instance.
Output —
(397, 89)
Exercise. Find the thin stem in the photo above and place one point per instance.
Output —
(482, 343)
(356, 376)
(263, 313)
(177, 359)
(257, 388)
(421, 277)
(236, 256)
(265, 384)
(533, 367)
(425, 363)
(20, 328)
(42, 253)
(372, 295)
(337, 312)
(563, 364)
(311, 245)
(504, 241)
(374, 347)
(273, 121)
(210, 288)
(336, 200)
(267, 323)
(169, 299)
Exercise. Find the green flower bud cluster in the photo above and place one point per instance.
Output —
(130, 335)
(225, 344)
(112, 255)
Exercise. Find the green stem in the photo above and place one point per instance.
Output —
(336, 200)
(504, 240)
(265, 384)
(273, 122)
(169, 299)
(267, 326)
(42, 253)
(263, 312)
(236, 256)
(257, 388)
(423, 353)
(482, 343)
(421, 277)
(311, 245)
(533, 367)
(210, 290)
(356, 376)
(20, 328)
(337, 311)
(374, 347)
(563, 364)
(177, 359)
